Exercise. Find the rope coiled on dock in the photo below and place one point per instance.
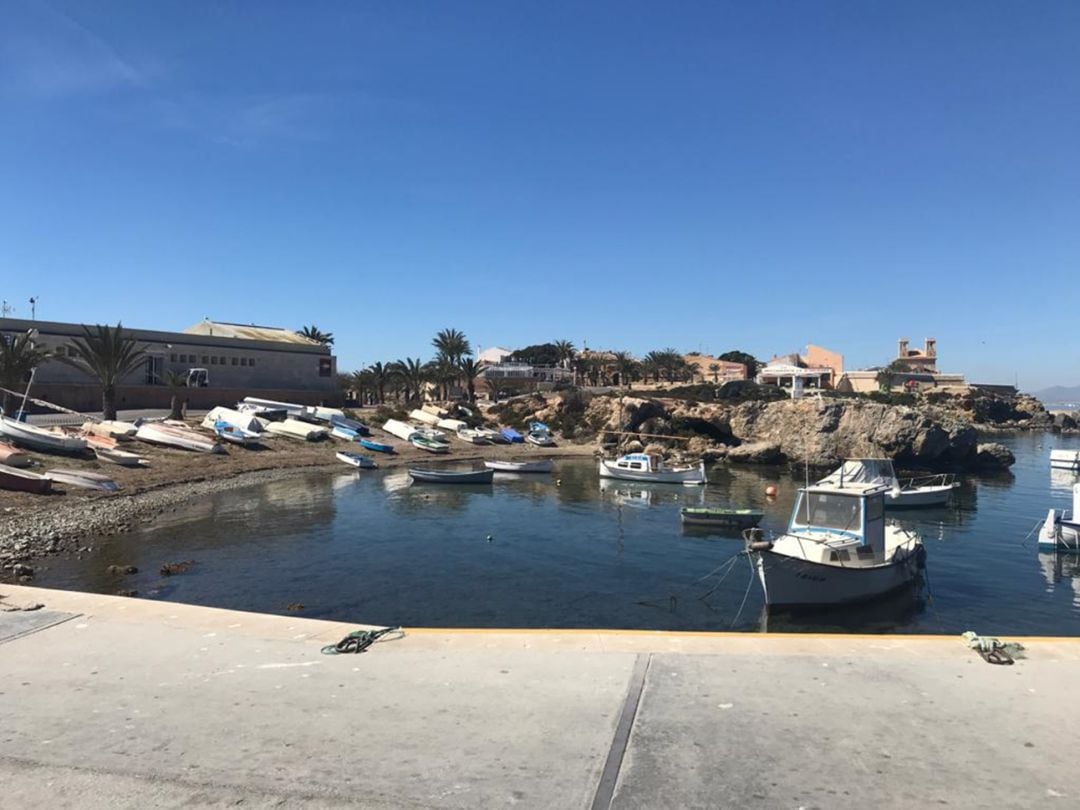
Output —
(358, 641)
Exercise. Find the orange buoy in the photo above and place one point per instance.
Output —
(770, 490)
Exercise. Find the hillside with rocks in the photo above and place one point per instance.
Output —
(818, 432)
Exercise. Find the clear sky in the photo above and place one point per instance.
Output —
(707, 176)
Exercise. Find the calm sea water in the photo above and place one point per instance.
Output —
(566, 551)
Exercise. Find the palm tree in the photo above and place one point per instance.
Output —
(380, 376)
(175, 380)
(314, 333)
(363, 383)
(413, 376)
(470, 370)
(565, 351)
(18, 358)
(108, 355)
(452, 344)
(715, 369)
(626, 367)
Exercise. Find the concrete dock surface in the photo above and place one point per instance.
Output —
(114, 702)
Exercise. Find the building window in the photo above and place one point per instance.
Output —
(205, 359)
(243, 361)
(324, 366)
(172, 358)
(221, 361)
(234, 361)
(251, 361)
(213, 361)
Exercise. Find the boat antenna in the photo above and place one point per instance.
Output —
(21, 415)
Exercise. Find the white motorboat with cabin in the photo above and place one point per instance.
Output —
(1061, 529)
(838, 548)
(928, 490)
(651, 469)
(1065, 459)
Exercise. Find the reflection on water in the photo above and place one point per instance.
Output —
(570, 550)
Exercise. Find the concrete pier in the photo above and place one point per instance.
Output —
(114, 702)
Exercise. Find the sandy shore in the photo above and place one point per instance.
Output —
(35, 526)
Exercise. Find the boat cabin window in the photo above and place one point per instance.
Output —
(829, 511)
(875, 509)
(635, 465)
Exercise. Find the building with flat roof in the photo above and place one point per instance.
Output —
(816, 368)
(239, 359)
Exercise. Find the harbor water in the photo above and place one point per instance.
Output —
(567, 550)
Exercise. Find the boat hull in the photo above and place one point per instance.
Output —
(121, 457)
(176, 437)
(545, 466)
(80, 478)
(377, 447)
(356, 460)
(22, 481)
(429, 445)
(689, 477)
(441, 477)
(35, 438)
(12, 456)
(921, 497)
(721, 519)
(1065, 459)
(794, 582)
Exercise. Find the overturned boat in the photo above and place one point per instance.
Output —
(46, 440)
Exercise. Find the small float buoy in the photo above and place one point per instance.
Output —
(770, 490)
(489, 538)
(558, 482)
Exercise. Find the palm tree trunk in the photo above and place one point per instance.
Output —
(108, 402)
(174, 407)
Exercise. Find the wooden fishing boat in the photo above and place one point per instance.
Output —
(431, 445)
(493, 436)
(377, 447)
(111, 429)
(512, 435)
(452, 476)
(296, 429)
(84, 479)
(24, 481)
(356, 460)
(122, 457)
(543, 466)
(45, 440)
(540, 435)
(95, 441)
(12, 456)
(722, 518)
(172, 436)
(651, 469)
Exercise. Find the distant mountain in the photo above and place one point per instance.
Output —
(1058, 394)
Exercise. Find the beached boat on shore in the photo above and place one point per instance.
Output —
(431, 445)
(651, 469)
(452, 476)
(472, 436)
(172, 436)
(297, 429)
(24, 481)
(493, 436)
(377, 447)
(236, 435)
(540, 435)
(12, 456)
(838, 548)
(356, 460)
(720, 518)
(399, 429)
(543, 466)
(113, 455)
(428, 418)
(237, 419)
(511, 435)
(358, 427)
(46, 440)
(452, 425)
(111, 429)
(83, 478)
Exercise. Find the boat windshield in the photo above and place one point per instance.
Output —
(828, 511)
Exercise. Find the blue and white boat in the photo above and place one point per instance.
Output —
(539, 434)
(359, 428)
(377, 447)
(512, 435)
(344, 433)
(236, 435)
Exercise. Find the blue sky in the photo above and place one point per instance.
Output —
(627, 175)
